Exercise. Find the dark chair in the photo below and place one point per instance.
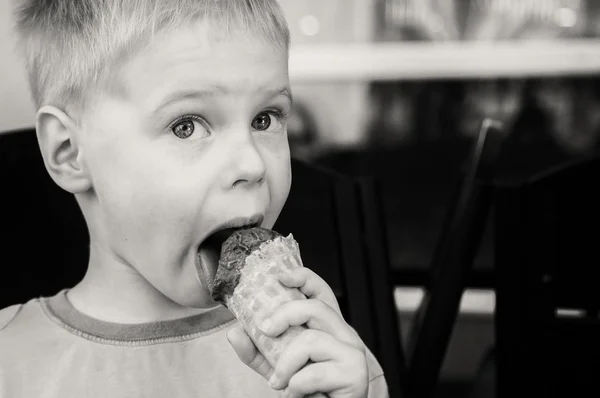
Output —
(452, 262)
(548, 273)
(416, 181)
(460, 238)
(328, 215)
(46, 242)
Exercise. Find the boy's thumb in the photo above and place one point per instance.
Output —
(247, 352)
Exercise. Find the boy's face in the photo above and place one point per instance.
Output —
(195, 138)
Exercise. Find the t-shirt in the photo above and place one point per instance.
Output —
(49, 349)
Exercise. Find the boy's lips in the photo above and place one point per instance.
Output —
(209, 251)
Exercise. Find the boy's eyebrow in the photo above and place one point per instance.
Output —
(215, 90)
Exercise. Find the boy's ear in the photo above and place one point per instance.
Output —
(60, 147)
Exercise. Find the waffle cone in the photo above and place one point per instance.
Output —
(259, 293)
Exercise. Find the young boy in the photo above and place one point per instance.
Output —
(167, 121)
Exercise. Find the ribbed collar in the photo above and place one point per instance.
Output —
(60, 308)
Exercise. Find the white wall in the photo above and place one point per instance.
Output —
(340, 109)
(16, 107)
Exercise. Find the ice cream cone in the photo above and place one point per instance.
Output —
(258, 293)
(247, 283)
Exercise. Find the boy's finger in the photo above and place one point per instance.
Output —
(248, 353)
(311, 285)
(315, 314)
(317, 378)
(310, 346)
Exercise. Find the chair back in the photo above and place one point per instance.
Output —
(45, 244)
(548, 268)
(453, 259)
(335, 220)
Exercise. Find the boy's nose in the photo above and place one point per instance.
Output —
(246, 166)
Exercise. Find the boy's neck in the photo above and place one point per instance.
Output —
(120, 295)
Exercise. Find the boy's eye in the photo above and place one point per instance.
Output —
(184, 128)
(262, 121)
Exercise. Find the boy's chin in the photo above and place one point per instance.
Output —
(192, 293)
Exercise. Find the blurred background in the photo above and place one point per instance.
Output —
(398, 89)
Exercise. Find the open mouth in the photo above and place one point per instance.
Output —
(209, 250)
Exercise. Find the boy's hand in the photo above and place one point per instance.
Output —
(334, 352)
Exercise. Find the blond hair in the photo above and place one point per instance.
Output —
(72, 46)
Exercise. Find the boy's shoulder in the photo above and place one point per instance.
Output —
(19, 331)
(8, 314)
(21, 321)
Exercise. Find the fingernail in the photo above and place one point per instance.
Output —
(273, 381)
(266, 325)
